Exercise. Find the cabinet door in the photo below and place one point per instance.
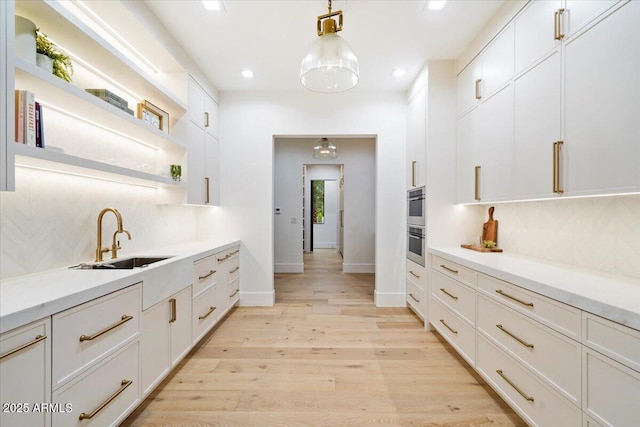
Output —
(497, 62)
(25, 360)
(416, 139)
(6, 93)
(581, 12)
(212, 170)
(210, 115)
(467, 86)
(534, 32)
(181, 326)
(467, 131)
(154, 345)
(537, 127)
(494, 145)
(196, 103)
(602, 89)
(196, 182)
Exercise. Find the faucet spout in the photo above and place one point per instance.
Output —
(115, 245)
(99, 249)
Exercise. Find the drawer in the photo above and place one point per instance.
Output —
(206, 311)
(619, 342)
(458, 297)
(85, 333)
(234, 291)
(229, 254)
(611, 391)
(204, 274)
(561, 317)
(416, 298)
(417, 274)
(458, 333)
(535, 401)
(114, 381)
(551, 355)
(452, 269)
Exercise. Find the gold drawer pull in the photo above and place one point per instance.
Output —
(123, 386)
(448, 327)
(224, 258)
(211, 310)
(234, 252)
(36, 340)
(234, 270)
(209, 274)
(501, 292)
(449, 269)
(234, 294)
(449, 294)
(414, 274)
(124, 320)
(520, 340)
(504, 377)
(414, 298)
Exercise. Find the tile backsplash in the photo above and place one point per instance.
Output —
(601, 233)
(50, 221)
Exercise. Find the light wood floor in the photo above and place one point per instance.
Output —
(324, 355)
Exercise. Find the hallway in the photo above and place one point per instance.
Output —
(324, 355)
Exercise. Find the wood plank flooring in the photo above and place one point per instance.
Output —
(324, 355)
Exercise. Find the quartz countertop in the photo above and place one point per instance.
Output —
(25, 299)
(613, 297)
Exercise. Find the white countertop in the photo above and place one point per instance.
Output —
(25, 299)
(616, 298)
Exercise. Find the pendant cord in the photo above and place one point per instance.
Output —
(329, 6)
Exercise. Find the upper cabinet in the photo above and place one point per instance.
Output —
(6, 86)
(417, 139)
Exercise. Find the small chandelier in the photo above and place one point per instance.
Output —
(330, 66)
(325, 150)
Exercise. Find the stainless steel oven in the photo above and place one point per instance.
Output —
(417, 207)
(416, 244)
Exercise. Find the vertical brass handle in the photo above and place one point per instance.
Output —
(172, 302)
(413, 173)
(123, 386)
(448, 327)
(478, 95)
(206, 180)
(36, 340)
(557, 24)
(504, 377)
(556, 167)
(206, 119)
(477, 183)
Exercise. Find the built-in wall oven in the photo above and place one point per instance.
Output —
(417, 207)
(416, 244)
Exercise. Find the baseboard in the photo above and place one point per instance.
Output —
(257, 299)
(358, 268)
(288, 268)
(324, 245)
(388, 299)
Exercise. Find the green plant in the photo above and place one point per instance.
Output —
(176, 172)
(489, 244)
(62, 66)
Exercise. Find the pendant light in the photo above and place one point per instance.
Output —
(325, 150)
(330, 66)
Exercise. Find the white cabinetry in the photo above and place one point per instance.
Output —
(6, 89)
(416, 289)
(417, 139)
(25, 370)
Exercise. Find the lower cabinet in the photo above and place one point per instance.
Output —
(416, 289)
(25, 374)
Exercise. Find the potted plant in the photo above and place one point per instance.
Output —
(60, 63)
(176, 172)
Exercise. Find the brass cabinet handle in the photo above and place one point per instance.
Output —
(123, 386)
(224, 258)
(234, 294)
(211, 310)
(504, 377)
(414, 274)
(36, 340)
(413, 173)
(209, 274)
(414, 298)
(206, 119)
(478, 95)
(449, 269)
(449, 294)
(501, 292)
(477, 183)
(172, 302)
(556, 167)
(557, 24)
(448, 327)
(122, 321)
(207, 200)
(234, 252)
(234, 270)
(520, 340)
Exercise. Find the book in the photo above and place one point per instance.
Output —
(39, 126)
(19, 119)
(29, 118)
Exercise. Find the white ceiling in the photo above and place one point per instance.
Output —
(271, 37)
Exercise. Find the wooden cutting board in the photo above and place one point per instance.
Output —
(490, 228)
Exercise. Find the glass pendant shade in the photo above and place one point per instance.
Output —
(325, 150)
(330, 66)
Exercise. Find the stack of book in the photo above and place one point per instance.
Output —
(111, 98)
(28, 119)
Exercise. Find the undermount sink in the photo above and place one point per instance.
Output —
(123, 264)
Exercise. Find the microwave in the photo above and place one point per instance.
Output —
(417, 207)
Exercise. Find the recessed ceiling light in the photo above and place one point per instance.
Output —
(247, 74)
(436, 4)
(398, 72)
(213, 5)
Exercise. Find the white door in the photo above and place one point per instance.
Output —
(154, 345)
(196, 182)
(535, 31)
(181, 327)
(467, 131)
(211, 170)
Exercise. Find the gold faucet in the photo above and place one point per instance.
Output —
(114, 247)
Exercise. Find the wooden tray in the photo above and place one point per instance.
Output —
(481, 249)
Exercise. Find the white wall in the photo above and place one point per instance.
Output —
(325, 235)
(248, 124)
